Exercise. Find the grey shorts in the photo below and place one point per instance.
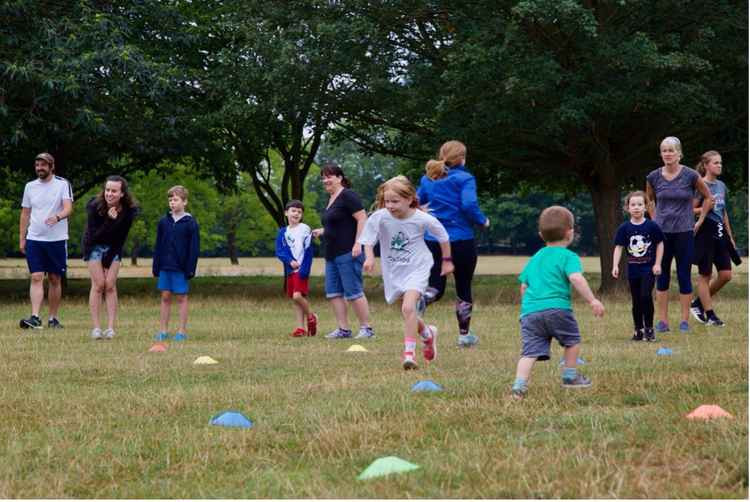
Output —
(539, 328)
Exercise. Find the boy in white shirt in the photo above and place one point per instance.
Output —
(295, 252)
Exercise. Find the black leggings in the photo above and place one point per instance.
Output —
(643, 303)
(464, 254)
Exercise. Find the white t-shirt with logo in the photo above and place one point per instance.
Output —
(298, 239)
(405, 259)
(45, 199)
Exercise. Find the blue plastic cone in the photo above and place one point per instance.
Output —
(664, 351)
(426, 386)
(231, 419)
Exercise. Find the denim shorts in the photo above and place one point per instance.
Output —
(98, 252)
(539, 328)
(344, 276)
(44, 256)
(171, 280)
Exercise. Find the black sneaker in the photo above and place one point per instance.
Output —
(32, 322)
(696, 308)
(54, 323)
(637, 335)
(649, 335)
(714, 321)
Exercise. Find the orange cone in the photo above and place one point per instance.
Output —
(158, 347)
(708, 412)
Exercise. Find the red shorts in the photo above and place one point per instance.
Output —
(295, 284)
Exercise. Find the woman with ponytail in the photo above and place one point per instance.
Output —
(449, 192)
(343, 221)
(714, 242)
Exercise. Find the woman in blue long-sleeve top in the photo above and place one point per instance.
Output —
(450, 193)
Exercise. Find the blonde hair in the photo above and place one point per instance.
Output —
(450, 153)
(674, 141)
(178, 190)
(635, 193)
(554, 223)
(705, 159)
(402, 186)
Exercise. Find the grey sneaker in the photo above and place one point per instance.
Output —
(468, 340)
(96, 334)
(109, 333)
(579, 382)
(339, 333)
(365, 332)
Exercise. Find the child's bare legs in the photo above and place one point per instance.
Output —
(182, 303)
(97, 289)
(704, 291)
(339, 311)
(720, 281)
(166, 307)
(110, 293)
(571, 356)
(301, 309)
(523, 370)
(661, 304)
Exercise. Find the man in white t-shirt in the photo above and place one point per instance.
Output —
(43, 237)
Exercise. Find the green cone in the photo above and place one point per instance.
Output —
(386, 465)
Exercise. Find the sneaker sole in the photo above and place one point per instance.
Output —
(576, 386)
(410, 365)
(715, 325)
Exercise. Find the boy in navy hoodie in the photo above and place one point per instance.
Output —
(175, 259)
(294, 250)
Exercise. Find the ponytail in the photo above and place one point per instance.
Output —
(705, 159)
(450, 154)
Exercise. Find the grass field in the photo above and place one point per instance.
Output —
(85, 419)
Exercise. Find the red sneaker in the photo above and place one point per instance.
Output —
(298, 333)
(312, 325)
(429, 346)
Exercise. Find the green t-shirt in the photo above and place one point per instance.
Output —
(546, 277)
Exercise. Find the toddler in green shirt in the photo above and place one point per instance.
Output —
(546, 309)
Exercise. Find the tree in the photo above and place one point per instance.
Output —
(566, 94)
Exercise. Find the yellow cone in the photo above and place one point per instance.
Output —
(356, 348)
(205, 360)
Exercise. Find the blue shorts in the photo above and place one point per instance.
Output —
(50, 257)
(171, 280)
(344, 276)
(98, 252)
(539, 328)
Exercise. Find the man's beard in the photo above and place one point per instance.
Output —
(44, 176)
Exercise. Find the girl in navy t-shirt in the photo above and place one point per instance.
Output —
(644, 242)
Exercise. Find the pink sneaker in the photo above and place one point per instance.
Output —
(408, 361)
(429, 346)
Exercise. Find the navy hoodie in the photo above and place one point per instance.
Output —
(177, 245)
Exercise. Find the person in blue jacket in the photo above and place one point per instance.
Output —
(295, 252)
(175, 259)
(449, 192)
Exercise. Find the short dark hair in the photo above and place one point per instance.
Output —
(554, 223)
(294, 203)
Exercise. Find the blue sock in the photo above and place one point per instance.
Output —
(519, 384)
(569, 373)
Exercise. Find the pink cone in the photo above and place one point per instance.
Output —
(708, 412)
(158, 347)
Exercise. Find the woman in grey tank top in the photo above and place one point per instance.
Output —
(670, 190)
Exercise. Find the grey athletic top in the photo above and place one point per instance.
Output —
(674, 199)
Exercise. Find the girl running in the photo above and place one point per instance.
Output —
(405, 260)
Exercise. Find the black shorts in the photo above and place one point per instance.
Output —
(711, 248)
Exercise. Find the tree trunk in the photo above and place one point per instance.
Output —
(134, 254)
(232, 246)
(608, 214)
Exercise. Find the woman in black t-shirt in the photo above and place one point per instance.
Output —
(343, 220)
(110, 216)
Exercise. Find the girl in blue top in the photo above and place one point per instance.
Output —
(714, 242)
(449, 192)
